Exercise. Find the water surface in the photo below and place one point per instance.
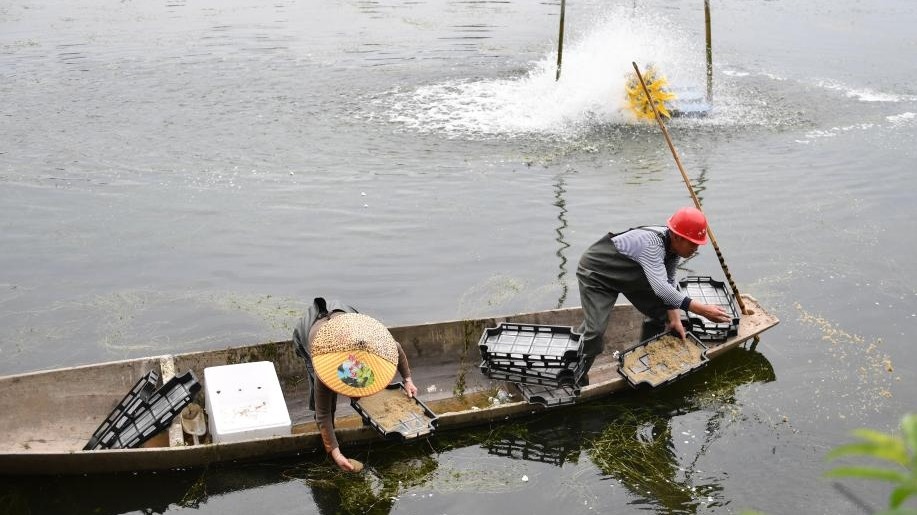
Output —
(179, 176)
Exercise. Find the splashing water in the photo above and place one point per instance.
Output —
(590, 91)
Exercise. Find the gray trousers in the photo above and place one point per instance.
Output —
(603, 273)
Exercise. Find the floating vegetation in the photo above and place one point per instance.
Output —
(637, 448)
(275, 312)
(196, 494)
(14, 503)
(866, 367)
(492, 293)
(137, 322)
(385, 476)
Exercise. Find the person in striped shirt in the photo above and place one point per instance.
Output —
(640, 263)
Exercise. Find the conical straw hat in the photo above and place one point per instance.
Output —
(354, 355)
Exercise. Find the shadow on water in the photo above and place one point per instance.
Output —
(628, 437)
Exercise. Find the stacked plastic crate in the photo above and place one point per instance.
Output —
(144, 411)
(544, 361)
(706, 290)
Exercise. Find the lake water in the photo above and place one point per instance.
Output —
(185, 175)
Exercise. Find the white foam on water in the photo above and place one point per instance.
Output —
(907, 118)
(590, 92)
(864, 94)
(835, 131)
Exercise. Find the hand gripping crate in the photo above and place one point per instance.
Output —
(705, 289)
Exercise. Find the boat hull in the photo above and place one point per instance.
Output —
(49, 415)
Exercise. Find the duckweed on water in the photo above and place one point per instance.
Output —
(14, 503)
(196, 494)
(385, 477)
(637, 447)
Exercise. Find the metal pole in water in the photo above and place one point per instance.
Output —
(560, 38)
(709, 53)
(684, 176)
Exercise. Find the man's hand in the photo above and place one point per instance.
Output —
(713, 313)
(674, 323)
(340, 460)
(409, 386)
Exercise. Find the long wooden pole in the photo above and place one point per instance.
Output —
(560, 38)
(684, 176)
(709, 52)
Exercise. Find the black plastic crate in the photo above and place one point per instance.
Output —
(563, 375)
(516, 377)
(415, 422)
(156, 414)
(135, 397)
(548, 396)
(551, 345)
(705, 289)
(636, 366)
(522, 363)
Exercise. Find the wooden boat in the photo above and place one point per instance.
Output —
(48, 416)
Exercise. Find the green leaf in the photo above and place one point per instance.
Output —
(899, 511)
(900, 494)
(889, 450)
(909, 428)
(878, 437)
(893, 476)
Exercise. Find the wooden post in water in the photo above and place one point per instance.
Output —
(709, 53)
(560, 38)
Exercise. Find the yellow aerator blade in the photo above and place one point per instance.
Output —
(637, 101)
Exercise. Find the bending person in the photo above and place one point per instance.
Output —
(348, 353)
(640, 263)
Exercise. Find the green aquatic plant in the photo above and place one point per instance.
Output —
(635, 449)
(196, 493)
(14, 503)
(391, 470)
(901, 451)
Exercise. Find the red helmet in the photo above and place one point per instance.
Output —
(689, 223)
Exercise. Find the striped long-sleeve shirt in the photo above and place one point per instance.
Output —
(646, 246)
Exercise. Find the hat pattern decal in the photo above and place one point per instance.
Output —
(356, 373)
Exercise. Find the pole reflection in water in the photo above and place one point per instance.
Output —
(700, 185)
(561, 203)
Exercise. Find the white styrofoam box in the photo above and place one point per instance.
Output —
(245, 401)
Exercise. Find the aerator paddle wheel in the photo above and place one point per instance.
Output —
(639, 103)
